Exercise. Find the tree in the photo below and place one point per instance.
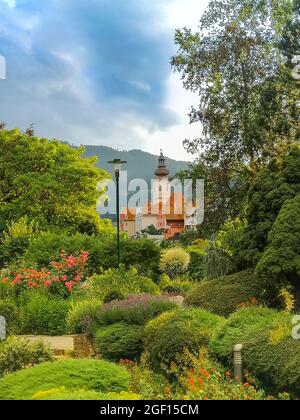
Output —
(279, 265)
(234, 63)
(49, 183)
(270, 190)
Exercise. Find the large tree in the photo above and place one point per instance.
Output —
(49, 183)
(234, 62)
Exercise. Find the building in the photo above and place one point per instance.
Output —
(165, 210)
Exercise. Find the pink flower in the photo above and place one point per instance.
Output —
(47, 283)
(64, 278)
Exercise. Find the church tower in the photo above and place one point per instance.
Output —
(160, 185)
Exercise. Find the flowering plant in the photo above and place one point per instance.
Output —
(60, 278)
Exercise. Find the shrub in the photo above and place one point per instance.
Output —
(142, 253)
(15, 240)
(174, 262)
(82, 316)
(125, 282)
(9, 310)
(60, 394)
(280, 262)
(97, 375)
(44, 315)
(136, 309)
(223, 296)
(176, 287)
(119, 341)
(270, 352)
(168, 335)
(16, 354)
(60, 278)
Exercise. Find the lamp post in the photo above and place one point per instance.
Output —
(117, 165)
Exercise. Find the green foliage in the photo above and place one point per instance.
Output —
(166, 337)
(271, 188)
(50, 183)
(10, 311)
(217, 263)
(119, 341)
(97, 375)
(270, 352)
(222, 296)
(126, 282)
(136, 309)
(174, 262)
(176, 287)
(15, 240)
(60, 394)
(44, 315)
(16, 354)
(280, 263)
(142, 253)
(82, 315)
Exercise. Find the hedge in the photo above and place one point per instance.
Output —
(223, 295)
(167, 336)
(270, 352)
(119, 341)
(97, 375)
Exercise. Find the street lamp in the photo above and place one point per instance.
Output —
(117, 165)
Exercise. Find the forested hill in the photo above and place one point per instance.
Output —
(140, 164)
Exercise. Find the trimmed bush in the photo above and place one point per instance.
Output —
(9, 310)
(44, 315)
(60, 394)
(97, 375)
(143, 253)
(16, 354)
(82, 316)
(121, 281)
(270, 352)
(136, 309)
(174, 262)
(119, 341)
(167, 336)
(224, 295)
(175, 287)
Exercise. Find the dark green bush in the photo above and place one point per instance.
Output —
(270, 352)
(223, 295)
(142, 253)
(97, 375)
(136, 309)
(166, 336)
(44, 315)
(10, 311)
(16, 354)
(119, 341)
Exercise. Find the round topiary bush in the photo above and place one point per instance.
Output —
(224, 295)
(174, 262)
(96, 375)
(167, 336)
(119, 341)
(269, 350)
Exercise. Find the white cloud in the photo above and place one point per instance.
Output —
(10, 3)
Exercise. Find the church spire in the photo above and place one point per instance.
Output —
(162, 170)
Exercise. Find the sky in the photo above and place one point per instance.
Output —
(97, 71)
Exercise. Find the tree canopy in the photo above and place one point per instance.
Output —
(50, 183)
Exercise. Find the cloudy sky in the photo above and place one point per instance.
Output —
(97, 71)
